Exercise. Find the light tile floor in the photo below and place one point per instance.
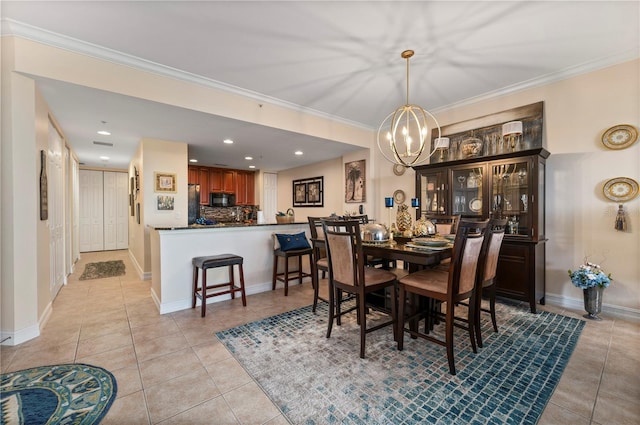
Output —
(171, 369)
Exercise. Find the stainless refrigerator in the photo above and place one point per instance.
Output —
(194, 203)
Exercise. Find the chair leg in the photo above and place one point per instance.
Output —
(332, 309)
(471, 322)
(492, 306)
(286, 276)
(300, 269)
(204, 293)
(362, 315)
(232, 283)
(400, 320)
(275, 272)
(195, 286)
(338, 305)
(477, 312)
(314, 283)
(394, 311)
(242, 290)
(449, 337)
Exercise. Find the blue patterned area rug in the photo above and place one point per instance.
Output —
(76, 394)
(315, 380)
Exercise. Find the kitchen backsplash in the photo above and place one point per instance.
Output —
(229, 214)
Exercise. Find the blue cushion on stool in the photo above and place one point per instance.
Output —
(292, 242)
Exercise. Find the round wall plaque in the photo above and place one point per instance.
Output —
(620, 136)
(621, 189)
(399, 169)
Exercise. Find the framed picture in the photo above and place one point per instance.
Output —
(44, 190)
(355, 188)
(138, 212)
(308, 192)
(165, 203)
(165, 182)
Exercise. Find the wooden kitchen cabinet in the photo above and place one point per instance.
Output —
(245, 190)
(203, 181)
(211, 179)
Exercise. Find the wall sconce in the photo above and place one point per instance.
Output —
(511, 132)
(415, 203)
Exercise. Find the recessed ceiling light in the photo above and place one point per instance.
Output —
(248, 158)
(252, 166)
(298, 152)
(104, 158)
(228, 141)
(104, 133)
(193, 160)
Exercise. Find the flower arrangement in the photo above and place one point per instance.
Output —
(589, 275)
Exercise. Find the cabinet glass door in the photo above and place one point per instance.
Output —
(466, 191)
(511, 196)
(432, 193)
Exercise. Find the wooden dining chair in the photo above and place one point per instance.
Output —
(445, 224)
(450, 287)
(348, 273)
(487, 274)
(320, 261)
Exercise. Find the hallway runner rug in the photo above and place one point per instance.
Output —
(103, 269)
(61, 394)
(315, 380)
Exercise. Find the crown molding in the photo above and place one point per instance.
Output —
(10, 27)
(544, 80)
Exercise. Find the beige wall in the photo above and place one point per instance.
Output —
(579, 218)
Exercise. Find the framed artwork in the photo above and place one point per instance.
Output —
(355, 187)
(138, 212)
(165, 182)
(165, 203)
(308, 192)
(44, 188)
(132, 195)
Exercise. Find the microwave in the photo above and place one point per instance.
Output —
(220, 199)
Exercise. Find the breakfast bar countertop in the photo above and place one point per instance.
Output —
(224, 225)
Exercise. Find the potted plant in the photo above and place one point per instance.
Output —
(592, 280)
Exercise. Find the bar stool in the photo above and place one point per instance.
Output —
(295, 249)
(211, 262)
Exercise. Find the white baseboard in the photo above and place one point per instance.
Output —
(608, 309)
(141, 273)
(18, 337)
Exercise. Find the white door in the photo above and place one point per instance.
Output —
(76, 208)
(91, 211)
(55, 179)
(122, 211)
(270, 196)
(110, 210)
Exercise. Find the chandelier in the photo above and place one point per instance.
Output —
(403, 134)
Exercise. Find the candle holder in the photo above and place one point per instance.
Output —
(388, 202)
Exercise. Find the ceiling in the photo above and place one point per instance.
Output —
(334, 59)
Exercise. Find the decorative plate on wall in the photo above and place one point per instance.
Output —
(399, 196)
(621, 189)
(398, 169)
(620, 136)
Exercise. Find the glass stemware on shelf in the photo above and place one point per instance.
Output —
(461, 180)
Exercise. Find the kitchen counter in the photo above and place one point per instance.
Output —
(173, 248)
(228, 224)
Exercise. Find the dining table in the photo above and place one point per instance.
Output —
(415, 258)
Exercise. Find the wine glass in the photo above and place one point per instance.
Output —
(457, 204)
(461, 180)
(462, 203)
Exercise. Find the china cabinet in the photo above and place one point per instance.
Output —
(509, 185)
